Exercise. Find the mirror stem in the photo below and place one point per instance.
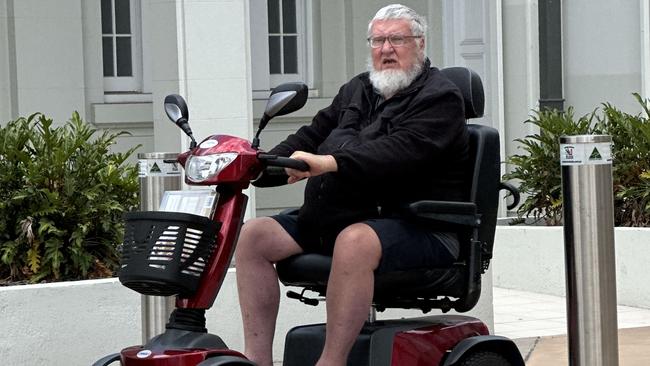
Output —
(256, 140)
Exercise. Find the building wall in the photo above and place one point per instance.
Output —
(602, 53)
(51, 63)
(520, 68)
(5, 72)
(49, 57)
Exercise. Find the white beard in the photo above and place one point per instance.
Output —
(389, 82)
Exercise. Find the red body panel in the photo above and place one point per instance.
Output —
(239, 173)
(229, 212)
(427, 346)
(186, 357)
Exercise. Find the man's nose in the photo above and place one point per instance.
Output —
(387, 47)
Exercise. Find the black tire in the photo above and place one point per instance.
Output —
(484, 358)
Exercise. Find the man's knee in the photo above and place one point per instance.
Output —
(359, 244)
(252, 235)
(265, 238)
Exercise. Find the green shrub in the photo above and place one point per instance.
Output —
(62, 194)
(631, 154)
(538, 170)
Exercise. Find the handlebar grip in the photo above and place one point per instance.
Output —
(274, 160)
(290, 163)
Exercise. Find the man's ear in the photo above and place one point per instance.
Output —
(421, 43)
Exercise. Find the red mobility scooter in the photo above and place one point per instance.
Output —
(185, 255)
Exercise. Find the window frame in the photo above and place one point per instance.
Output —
(262, 79)
(134, 83)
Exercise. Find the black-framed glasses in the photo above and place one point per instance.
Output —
(395, 40)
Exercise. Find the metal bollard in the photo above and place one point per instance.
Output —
(589, 247)
(158, 173)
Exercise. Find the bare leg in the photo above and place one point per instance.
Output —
(262, 242)
(357, 253)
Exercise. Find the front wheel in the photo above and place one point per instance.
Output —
(484, 358)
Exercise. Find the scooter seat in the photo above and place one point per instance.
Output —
(312, 271)
(306, 270)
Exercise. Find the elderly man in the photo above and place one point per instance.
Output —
(392, 135)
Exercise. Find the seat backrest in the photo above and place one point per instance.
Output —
(484, 189)
(470, 85)
(484, 148)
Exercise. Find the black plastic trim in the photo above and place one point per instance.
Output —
(498, 344)
(513, 191)
(226, 361)
(178, 339)
(107, 360)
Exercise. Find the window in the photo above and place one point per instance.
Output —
(279, 42)
(121, 51)
(283, 39)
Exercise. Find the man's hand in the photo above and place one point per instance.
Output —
(318, 164)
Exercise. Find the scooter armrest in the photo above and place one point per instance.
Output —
(290, 211)
(458, 213)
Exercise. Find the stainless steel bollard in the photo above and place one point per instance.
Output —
(158, 173)
(589, 248)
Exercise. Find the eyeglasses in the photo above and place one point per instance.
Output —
(395, 40)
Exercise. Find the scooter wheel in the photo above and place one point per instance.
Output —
(484, 358)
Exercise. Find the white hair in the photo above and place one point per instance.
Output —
(399, 11)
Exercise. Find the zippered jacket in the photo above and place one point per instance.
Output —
(413, 146)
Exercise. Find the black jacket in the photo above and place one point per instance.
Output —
(411, 147)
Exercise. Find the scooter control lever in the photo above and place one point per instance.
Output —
(302, 298)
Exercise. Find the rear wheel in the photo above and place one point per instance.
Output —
(484, 358)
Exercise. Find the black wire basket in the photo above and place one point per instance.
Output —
(165, 253)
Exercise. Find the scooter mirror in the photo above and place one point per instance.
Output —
(284, 99)
(176, 109)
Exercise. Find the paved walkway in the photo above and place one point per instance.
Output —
(537, 323)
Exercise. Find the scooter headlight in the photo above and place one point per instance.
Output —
(200, 168)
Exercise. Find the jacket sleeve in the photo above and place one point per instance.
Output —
(423, 137)
(308, 138)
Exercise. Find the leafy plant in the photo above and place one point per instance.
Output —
(631, 153)
(539, 173)
(62, 194)
(538, 170)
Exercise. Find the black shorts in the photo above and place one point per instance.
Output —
(405, 245)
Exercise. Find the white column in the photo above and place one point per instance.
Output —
(201, 50)
(645, 48)
(5, 64)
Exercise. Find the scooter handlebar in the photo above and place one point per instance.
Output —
(280, 161)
